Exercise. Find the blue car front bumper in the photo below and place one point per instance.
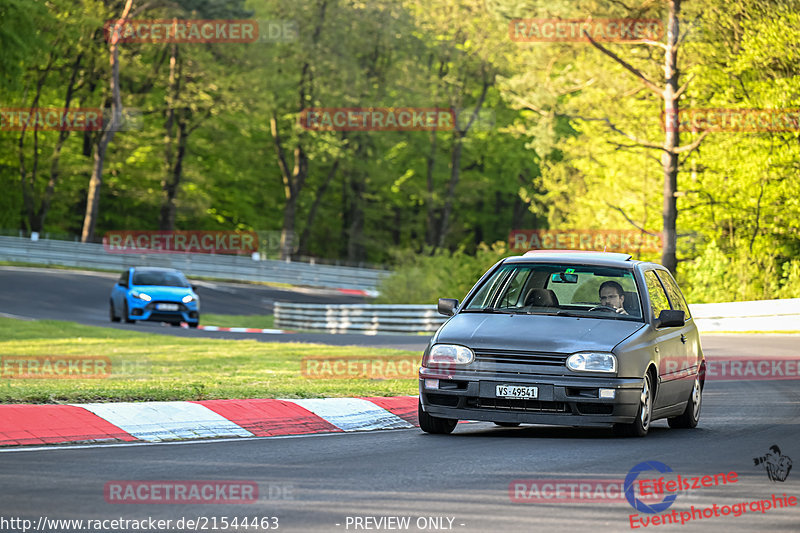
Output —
(163, 311)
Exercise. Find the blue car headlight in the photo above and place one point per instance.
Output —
(592, 362)
(141, 295)
(188, 298)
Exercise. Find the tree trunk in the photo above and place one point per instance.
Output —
(169, 185)
(302, 245)
(55, 171)
(669, 159)
(96, 181)
(455, 164)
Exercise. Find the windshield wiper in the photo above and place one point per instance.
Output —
(489, 310)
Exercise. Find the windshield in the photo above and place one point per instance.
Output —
(559, 289)
(164, 279)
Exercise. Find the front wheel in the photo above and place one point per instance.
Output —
(112, 314)
(434, 424)
(641, 425)
(691, 415)
(125, 314)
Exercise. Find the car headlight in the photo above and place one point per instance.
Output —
(592, 362)
(449, 354)
(188, 298)
(141, 295)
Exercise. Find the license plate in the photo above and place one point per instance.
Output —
(167, 307)
(513, 391)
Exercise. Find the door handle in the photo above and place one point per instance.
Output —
(683, 338)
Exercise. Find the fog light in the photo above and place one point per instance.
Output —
(608, 393)
(431, 383)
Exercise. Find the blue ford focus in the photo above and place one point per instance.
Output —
(157, 294)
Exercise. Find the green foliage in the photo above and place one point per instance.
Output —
(423, 278)
(545, 158)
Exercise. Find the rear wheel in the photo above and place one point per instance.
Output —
(125, 314)
(691, 415)
(112, 314)
(434, 424)
(641, 425)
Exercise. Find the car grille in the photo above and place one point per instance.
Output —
(152, 307)
(518, 405)
(517, 357)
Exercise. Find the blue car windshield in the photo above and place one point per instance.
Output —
(559, 289)
(163, 279)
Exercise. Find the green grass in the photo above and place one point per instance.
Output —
(238, 321)
(148, 367)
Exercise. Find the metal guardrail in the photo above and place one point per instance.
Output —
(365, 319)
(765, 315)
(91, 255)
(760, 315)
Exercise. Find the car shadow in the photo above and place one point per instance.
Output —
(559, 432)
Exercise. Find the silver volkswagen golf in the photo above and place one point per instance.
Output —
(565, 338)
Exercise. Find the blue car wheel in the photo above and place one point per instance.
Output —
(125, 314)
(111, 312)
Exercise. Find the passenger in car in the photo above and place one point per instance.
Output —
(612, 295)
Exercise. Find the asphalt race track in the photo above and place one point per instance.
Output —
(315, 483)
(374, 481)
(82, 296)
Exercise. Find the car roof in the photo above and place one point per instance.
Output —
(156, 269)
(580, 257)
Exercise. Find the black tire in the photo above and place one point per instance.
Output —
(691, 415)
(193, 324)
(641, 425)
(434, 424)
(125, 314)
(111, 313)
(507, 424)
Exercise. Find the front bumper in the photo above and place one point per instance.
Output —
(142, 310)
(562, 400)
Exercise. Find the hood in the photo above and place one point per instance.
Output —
(159, 292)
(556, 334)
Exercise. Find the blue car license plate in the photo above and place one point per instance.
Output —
(167, 307)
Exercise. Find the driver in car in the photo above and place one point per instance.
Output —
(612, 295)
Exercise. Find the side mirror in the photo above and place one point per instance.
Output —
(123, 283)
(670, 319)
(194, 287)
(447, 306)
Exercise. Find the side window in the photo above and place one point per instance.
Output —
(514, 289)
(123, 279)
(658, 299)
(675, 296)
(483, 297)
